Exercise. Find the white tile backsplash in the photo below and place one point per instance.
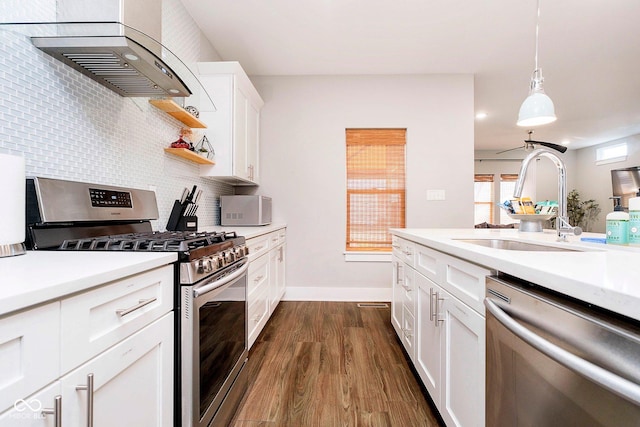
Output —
(68, 126)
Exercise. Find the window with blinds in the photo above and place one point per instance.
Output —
(375, 187)
(507, 185)
(483, 198)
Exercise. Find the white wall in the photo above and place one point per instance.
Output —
(302, 163)
(594, 182)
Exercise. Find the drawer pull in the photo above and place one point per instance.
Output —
(89, 388)
(141, 303)
(56, 411)
(437, 319)
(432, 312)
(257, 279)
(258, 248)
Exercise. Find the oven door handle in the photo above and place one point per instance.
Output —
(208, 287)
(610, 381)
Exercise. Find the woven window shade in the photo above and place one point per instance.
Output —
(508, 177)
(375, 187)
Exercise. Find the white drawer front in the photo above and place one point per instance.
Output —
(427, 262)
(274, 239)
(258, 274)
(465, 281)
(282, 235)
(94, 321)
(258, 246)
(408, 250)
(29, 352)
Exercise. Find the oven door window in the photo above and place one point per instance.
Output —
(222, 339)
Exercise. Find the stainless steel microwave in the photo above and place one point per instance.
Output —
(245, 210)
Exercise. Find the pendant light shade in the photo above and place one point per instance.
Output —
(538, 108)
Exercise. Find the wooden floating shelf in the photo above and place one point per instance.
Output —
(189, 155)
(170, 107)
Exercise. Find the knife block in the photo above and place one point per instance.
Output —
(188, 223)
(178, 221)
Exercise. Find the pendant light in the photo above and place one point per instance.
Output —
(538, 108)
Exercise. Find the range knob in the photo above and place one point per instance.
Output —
(199, 266)
(218, 262)
(239, 252)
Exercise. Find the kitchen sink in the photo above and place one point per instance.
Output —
(515, 245)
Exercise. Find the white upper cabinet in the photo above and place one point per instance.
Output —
(233, 129)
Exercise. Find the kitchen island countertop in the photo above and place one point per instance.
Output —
(40, 276)
(607, 276)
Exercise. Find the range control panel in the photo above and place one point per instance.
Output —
(110, 198)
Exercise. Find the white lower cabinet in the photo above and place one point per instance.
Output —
(462, 355)
(106, 356)
(403, 304)
(448, 342)
(126, 386)
(277, 286)
(266, 279)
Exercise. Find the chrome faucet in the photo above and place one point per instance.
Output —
(562, 221)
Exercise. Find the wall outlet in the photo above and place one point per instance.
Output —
(435, 195)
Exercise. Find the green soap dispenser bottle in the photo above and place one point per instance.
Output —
(634, 220)
(617, 224)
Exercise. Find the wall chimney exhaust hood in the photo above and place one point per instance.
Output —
(116, 43)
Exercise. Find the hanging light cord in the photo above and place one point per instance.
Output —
(537, 31)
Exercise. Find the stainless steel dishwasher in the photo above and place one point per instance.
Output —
(554, 361)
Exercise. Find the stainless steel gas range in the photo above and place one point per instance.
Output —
(210, 283)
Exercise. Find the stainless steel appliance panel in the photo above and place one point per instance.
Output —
(245, 210)
(71, 201)
(214, 347)
(553, 362)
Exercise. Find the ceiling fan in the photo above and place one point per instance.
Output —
(529, 144)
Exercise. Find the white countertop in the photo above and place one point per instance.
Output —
(247, 232)
(604, 275)
(40, 276)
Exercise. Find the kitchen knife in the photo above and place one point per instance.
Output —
(185, 193)
(193, 193)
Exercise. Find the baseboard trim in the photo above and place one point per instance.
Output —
(337, 294)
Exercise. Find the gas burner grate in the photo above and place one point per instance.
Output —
(166, 241)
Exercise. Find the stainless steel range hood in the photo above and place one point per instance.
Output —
(115, 42)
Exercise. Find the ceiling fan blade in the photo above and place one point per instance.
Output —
(510, 149)
(557, 147)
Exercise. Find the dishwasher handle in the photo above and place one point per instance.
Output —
(606, 379)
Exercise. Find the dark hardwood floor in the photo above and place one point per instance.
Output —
(331, 364)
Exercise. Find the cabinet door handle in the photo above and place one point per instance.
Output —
(437, 313)
(89, 388)
(432, 312)
(56, 411)
(141, 303)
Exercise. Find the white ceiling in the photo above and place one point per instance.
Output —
(589, 51)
